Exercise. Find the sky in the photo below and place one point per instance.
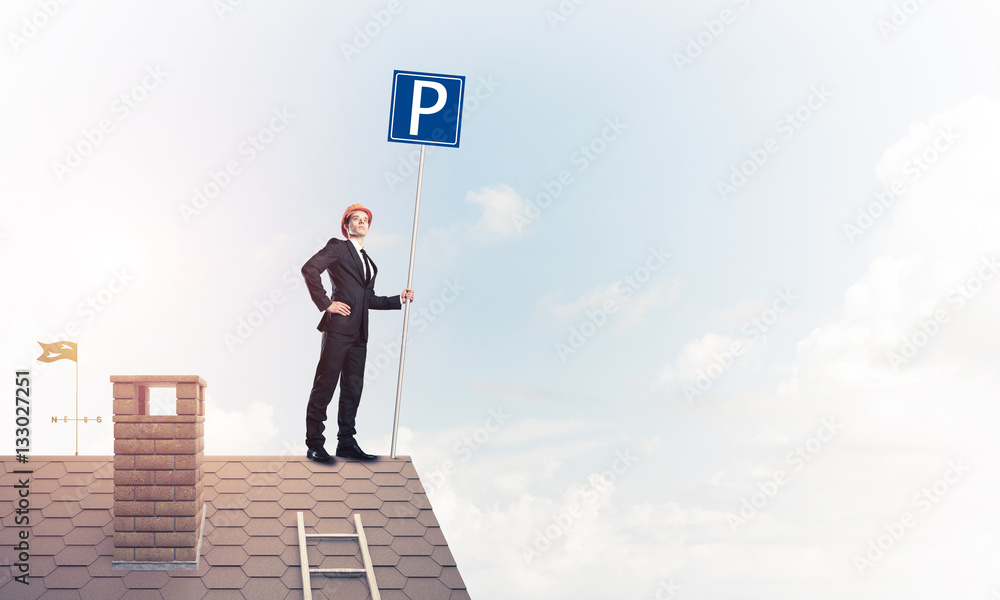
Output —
(704, 299)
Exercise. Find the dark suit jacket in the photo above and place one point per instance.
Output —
(343, 264)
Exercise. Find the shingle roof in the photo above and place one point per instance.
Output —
(249, 546)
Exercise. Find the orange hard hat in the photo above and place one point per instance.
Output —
(347, 213)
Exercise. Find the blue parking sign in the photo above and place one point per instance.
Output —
(426, 108)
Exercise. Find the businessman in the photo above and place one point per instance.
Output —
(345, 331)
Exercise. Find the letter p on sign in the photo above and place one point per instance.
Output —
(426, 108)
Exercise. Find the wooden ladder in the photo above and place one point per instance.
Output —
(366, 558)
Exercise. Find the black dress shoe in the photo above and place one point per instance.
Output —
(352, 450)
(319, 455)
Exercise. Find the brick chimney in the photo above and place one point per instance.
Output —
(159, 474)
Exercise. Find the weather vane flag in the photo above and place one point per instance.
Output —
(68, 351)
(57, 351)
(426, 109)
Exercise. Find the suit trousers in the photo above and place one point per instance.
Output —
(341, 357)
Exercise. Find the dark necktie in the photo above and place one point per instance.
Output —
(368, 269)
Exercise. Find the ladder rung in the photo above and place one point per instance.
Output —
(351, 572)
(368, 571)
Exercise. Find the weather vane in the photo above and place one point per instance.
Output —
(67, 350)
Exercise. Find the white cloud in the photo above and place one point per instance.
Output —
(629, 304)
(238, 432)
(656, 297)
(900, 430)
(903, 424)
(695, 356)
(501, 206)
(935, 249)
(502, 506)
(703, 362)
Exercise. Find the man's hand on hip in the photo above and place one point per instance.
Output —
(339, 308)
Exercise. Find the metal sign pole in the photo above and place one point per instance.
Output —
(406, 312)
(77, 361)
